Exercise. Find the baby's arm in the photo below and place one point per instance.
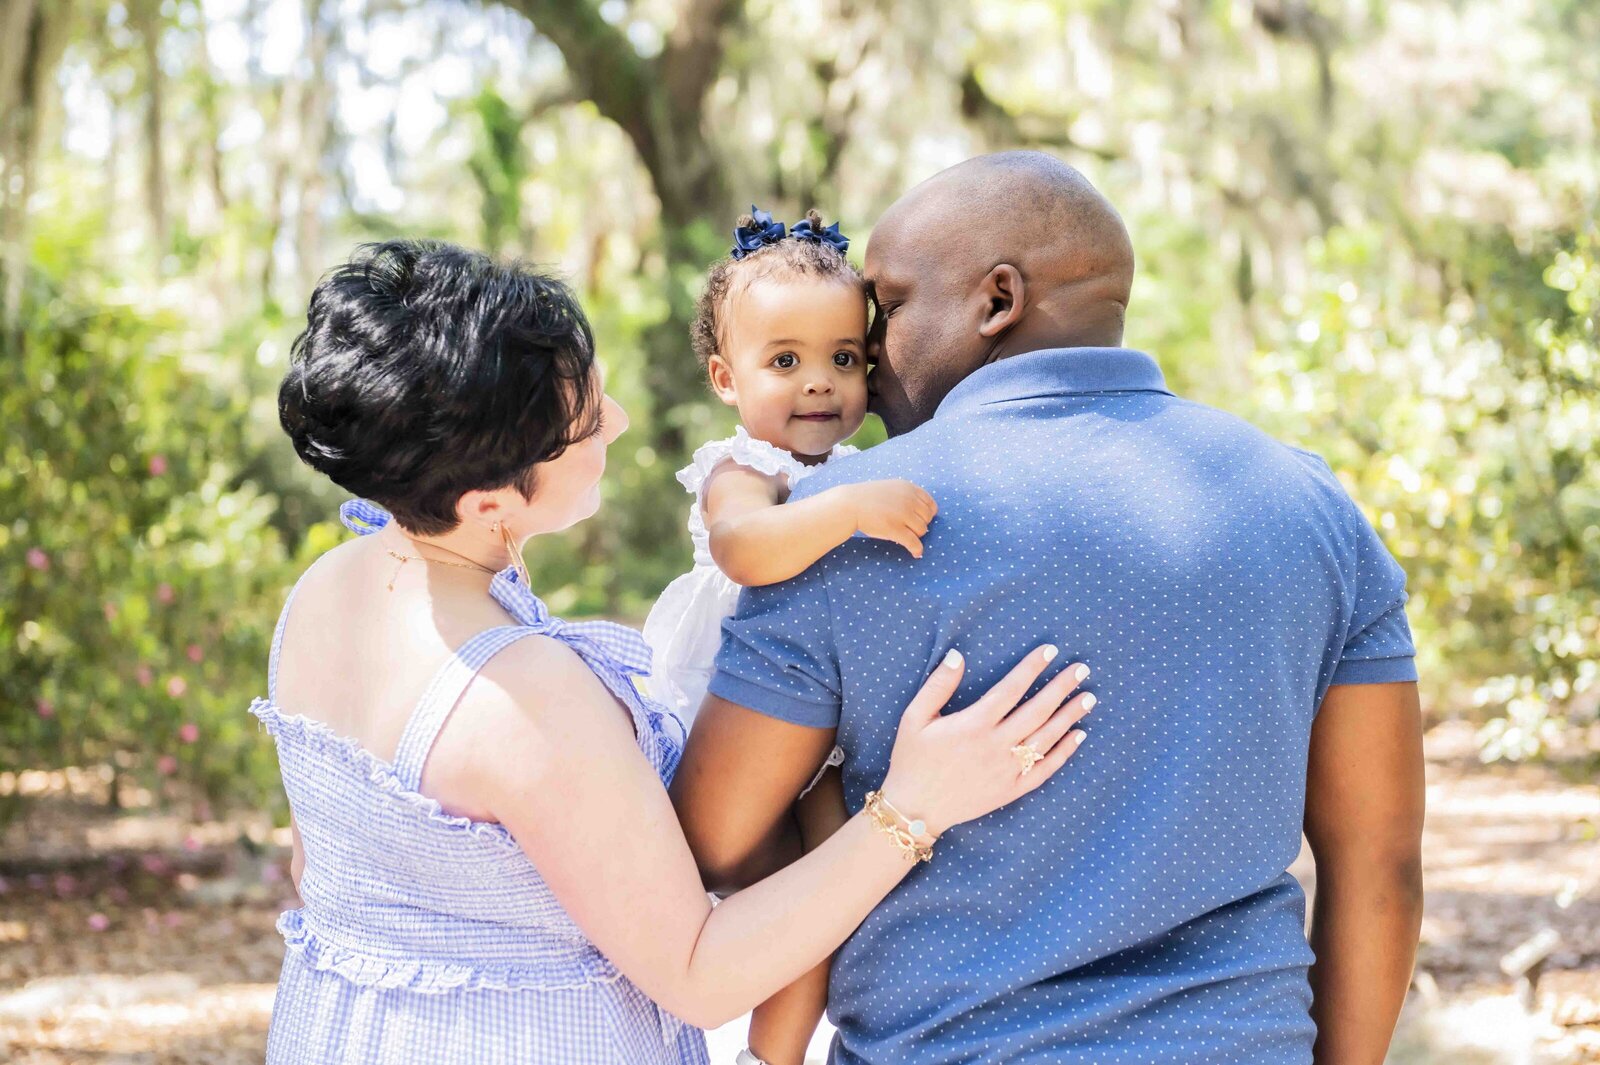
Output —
(781, 1027)
(756, 542)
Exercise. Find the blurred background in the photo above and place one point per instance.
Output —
(1369, 226)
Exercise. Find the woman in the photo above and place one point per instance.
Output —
(488, 861)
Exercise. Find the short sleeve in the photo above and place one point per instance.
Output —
(778, 656)
(1378, 648)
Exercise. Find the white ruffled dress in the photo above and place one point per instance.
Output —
(684, 628)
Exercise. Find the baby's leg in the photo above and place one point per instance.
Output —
(782, 1026)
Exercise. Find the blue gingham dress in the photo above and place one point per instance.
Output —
(429, 938)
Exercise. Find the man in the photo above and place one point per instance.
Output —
(1249, 648)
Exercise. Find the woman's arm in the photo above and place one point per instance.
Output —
(756, 542)
(566, 778)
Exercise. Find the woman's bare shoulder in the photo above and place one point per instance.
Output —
(538, 691)
(534, 713)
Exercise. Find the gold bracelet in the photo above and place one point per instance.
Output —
(892, 823)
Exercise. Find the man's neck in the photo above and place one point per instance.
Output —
(1096, 326)
(1015, 344)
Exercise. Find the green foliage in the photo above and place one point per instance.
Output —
(1469, 431)
(139, 576)
(499, 166)
(1357, 225)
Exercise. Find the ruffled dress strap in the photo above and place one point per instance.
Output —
(614, 653)
(277, 642)
(745, 450)
(441, 697)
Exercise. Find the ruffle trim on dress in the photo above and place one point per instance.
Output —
(380, 774)
(743, 449)
(438, 977)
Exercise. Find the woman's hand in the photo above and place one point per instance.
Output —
(946, 769)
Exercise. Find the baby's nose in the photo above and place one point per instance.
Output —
(818, 388)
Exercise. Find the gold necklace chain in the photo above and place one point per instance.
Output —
(403, 559)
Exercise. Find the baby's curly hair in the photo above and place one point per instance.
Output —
(804, 258)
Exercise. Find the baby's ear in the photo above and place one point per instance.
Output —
(721, 375)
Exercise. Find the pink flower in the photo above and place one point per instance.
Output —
(154, 864)
(99, 922)
(166, 765)
(144, 676)
(189, 732)
(176, 686)
(46, 708)
(191, 844)
(38, 560)
(195, 653)
(173, 920)
(66, 886)
(110, 610)
(165, 593)
(158, 465)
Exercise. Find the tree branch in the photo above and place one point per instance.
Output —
(600, 61)
(658, 103)
(693, 54)
(1003, 125)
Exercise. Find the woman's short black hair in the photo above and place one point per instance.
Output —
(427, 371)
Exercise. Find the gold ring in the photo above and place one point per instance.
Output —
(1029, 755)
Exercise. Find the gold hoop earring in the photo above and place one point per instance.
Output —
(515, 552)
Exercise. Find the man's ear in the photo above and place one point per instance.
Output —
(721, 375)
(1003, 300)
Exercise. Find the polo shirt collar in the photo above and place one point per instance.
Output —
(1056, 372)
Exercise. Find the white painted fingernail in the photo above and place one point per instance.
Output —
(1088, 701)
(1078, 738)
(1080, 673)
(952, 659)
(1050, 652)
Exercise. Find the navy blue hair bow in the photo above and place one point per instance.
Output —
(761, 232)
(804, 230)
(764, 230)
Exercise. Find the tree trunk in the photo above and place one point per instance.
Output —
(147, 16)
(314, 122)
(31, 40)
(213, 118)
(660, 104)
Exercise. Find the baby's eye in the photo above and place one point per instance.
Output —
(844, 359)
(786, 361)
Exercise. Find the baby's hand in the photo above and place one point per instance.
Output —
(892, 510)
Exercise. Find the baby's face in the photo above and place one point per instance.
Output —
(794, 362)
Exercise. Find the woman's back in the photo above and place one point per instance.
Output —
(412, 910)
(366, 636)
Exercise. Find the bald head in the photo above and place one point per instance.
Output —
(999, 255)
(1026, 208)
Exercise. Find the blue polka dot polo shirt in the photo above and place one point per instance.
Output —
(1137, 908)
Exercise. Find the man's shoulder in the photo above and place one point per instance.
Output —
(1244, 435)
(904, 456)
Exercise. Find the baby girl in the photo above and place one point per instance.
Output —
(781, 331)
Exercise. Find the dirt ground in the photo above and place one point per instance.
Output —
(145, 937)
